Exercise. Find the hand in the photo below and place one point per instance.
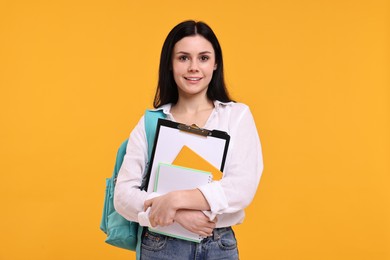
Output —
(162, 210)
(195, 221)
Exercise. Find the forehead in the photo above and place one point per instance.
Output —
(193, 44)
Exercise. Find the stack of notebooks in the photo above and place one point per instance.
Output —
(188, 171)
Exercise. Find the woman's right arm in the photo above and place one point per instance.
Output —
(128, 198)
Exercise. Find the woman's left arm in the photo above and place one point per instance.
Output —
(243, 169)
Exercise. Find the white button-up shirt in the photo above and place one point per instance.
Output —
(227, 197)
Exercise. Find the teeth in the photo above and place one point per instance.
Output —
(193, 78)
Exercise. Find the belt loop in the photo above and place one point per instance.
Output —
(216, 235)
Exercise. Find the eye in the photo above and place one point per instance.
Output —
(183, 58)
(204, 58)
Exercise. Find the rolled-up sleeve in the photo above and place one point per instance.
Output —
(243, 168)
(128, 198)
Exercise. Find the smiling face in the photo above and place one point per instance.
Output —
(193, 64)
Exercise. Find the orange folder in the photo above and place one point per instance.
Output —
(190, 159)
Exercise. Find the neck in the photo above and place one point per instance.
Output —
(193, 104)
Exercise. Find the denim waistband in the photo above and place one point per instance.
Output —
(217, 232)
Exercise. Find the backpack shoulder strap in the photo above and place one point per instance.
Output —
(151, 118)
(119, 157)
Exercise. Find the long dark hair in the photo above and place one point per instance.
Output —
(167, 89)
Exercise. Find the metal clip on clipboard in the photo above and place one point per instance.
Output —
(194, 129)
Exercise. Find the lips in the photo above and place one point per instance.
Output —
(194, 79)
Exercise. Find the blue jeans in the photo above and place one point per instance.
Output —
(221, 245)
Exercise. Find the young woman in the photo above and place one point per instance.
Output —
(191, 90)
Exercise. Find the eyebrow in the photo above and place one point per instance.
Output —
(187, 53)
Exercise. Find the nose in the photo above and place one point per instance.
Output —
(193, 67)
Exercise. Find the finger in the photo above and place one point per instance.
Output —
(152, 222)
(210, 225)
(205, 231)
(202, 233)
(166, 222)
(208, 233)
(147, 204)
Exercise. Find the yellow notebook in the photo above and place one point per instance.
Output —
(190, 159)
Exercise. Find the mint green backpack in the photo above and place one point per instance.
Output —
(121, 232)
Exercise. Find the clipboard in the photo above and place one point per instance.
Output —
(170, 138)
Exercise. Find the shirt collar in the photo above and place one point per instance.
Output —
(217, 105)
(165, 108)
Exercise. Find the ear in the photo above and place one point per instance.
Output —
(215, 66)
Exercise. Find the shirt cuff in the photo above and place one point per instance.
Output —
(143, 216)
(210, 215)
(215, 196)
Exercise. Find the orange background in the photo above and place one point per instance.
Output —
(75, 77)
